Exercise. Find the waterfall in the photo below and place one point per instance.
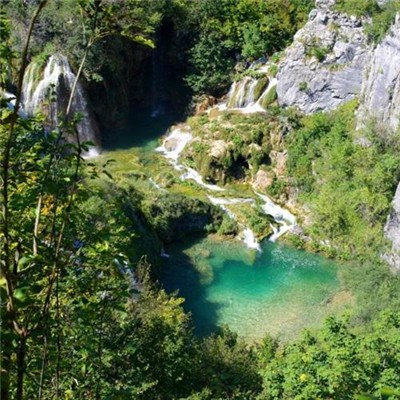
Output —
(172, 147)
(50, 92)
(242, 93)
(283, 217)
(158, 79)
(249, 94)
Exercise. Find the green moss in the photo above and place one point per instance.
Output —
(229, 227)
(260, 87)
(269, 98)
(273, 70)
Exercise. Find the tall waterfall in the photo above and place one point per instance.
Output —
(49, 92)
(158, 96)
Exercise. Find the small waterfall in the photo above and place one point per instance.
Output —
(283, 217)
(249, 94)
(172, 147)
(247, 235)
(241, 93)
(174, 144)
(50, 92)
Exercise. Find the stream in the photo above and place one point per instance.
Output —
(252, 287)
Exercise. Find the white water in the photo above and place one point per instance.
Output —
(247, 235)
(51, 92)
(194, 175)
(174, 144)
(241, 93)
(283, 217)
(172, 147)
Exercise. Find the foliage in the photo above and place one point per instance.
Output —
(382, 21)
(383, 16)
(246, 142)
(229, 227)
(359, 8)
(336, 363)
(348, 186)
(175, 216)
(230, 29)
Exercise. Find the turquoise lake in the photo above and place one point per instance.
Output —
(280, 291)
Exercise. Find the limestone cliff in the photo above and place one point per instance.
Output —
(392, 232)
(331, 62)
(380, 93)
(323, 68)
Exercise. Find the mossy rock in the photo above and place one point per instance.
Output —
(260, 87)
(269, 98)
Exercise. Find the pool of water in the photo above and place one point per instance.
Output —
(141, 130)
(279, 291)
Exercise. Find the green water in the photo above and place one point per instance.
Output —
(280, 291)
(141, 130)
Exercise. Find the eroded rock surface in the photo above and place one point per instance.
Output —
(380, 96)
(323, 68)
(392, 232)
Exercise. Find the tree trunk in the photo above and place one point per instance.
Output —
(21, 368)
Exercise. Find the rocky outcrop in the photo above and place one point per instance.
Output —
(323, 68)
(392, 232)
(380, 95)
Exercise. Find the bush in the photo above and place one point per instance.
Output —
(359, 8)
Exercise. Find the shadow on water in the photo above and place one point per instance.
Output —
(280, 290)
(141, 130)
(180, 273)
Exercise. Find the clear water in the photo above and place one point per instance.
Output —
(280, 291)
(142, 130)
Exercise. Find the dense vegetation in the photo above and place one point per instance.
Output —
(211, 36)
(347, 184)
(81, 316)
(382, 15)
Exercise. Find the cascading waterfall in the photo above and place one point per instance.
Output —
(50, 93)
(242, 93)
(172, 147)
(247, 95)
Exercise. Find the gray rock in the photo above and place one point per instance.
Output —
(380, 95)
(392, 232)
(323, 68)
(263, 179)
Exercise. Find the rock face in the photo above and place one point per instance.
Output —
(380, 95)
(392, 232)
(323, 68)
(329, 63)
